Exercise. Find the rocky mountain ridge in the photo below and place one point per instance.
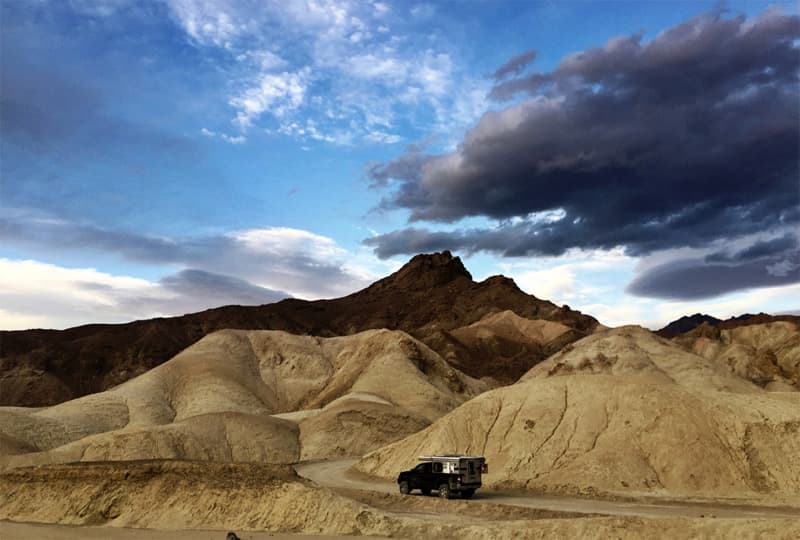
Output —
(428, 297)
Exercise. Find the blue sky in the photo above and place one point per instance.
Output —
(165, 157)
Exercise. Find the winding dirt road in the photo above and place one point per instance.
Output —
(337, 474)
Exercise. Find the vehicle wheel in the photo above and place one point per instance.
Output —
(468, 493)
(426, 491)
(444, 491)
(405, 489)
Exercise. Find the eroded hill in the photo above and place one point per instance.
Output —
(623, 412)
(767, 354)
(257, 396)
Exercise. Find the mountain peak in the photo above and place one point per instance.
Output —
(500, 280)
(427, 270)
(687, 323)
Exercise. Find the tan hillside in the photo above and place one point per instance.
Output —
(509, 326)
(766, 354)
(226, 398)
(623, 412)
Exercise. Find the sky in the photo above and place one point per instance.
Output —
(638, 161)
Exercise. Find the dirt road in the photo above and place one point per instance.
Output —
(336, 474)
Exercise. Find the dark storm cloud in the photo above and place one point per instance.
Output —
(406, 166)
(552, 238)
(688, 138)
(786, 244)
(511, 240)
(764, 263)
(515, 66)
(693, 279)
(282, 264)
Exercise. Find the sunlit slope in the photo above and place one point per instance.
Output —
(222, 399)
(624, 412)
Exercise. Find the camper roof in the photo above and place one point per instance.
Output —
(450, 457)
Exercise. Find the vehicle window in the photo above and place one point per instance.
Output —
(421, 467)
(471, 467)
(437, 467)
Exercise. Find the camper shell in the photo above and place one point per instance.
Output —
(449, 474)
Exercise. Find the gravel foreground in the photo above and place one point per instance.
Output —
(26, 531)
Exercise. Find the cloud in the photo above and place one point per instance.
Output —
(358, 70)
(690, 279)
(231, 139)
(515, 66)
(277, 94)
(593, 282)
(216, 289)
(216, 22)
(751, 262)
(760, 249)
(570, 278)
(729, 306)
(72, 296)
(84, 295)
(784, 268)
(303, 264)
(685, 140)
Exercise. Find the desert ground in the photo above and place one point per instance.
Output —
(25, 531)
(606, 432)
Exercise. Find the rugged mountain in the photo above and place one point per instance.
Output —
(687, 323)
(762, 348)
(260, 396)
(622, 412)
(428, 297)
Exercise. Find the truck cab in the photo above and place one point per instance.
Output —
(448, 474)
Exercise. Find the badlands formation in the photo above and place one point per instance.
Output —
(619, 413)
(767, 354)
(253, 396)
(425, 361)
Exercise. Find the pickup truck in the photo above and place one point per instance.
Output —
(449, 474)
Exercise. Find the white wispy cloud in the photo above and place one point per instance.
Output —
(275, 93)
(72, 295)
(217, 22)
(286, 241)
(349, 66)
(232, 139)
